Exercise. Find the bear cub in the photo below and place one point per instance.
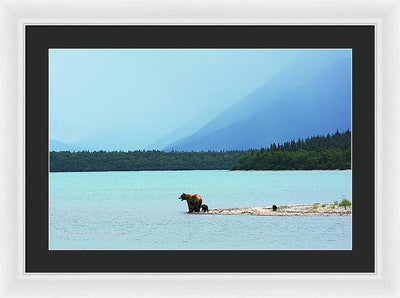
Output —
(204, 208)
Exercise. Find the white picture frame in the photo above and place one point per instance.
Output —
(14, 15)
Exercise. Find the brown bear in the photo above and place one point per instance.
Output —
(193, 200)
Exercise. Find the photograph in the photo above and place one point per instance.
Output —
(200, 149)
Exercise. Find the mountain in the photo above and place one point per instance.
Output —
(56, 145)
(107, 142)
(185, 130)
(309, 97)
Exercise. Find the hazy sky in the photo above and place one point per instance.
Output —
(131, 98)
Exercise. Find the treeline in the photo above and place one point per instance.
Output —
(85, 161)
(316, 153)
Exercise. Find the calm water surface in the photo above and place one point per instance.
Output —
(141, 210)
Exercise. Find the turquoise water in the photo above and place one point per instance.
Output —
(141, 210)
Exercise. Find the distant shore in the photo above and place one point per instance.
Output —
(318, 209)
(330, 152)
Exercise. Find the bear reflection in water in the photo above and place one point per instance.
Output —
(193, 200)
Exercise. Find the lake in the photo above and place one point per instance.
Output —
(141, 210)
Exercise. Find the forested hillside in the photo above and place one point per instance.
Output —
(316, 153)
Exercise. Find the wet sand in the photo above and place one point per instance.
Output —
(317, 209)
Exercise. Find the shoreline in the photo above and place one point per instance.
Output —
(317, 209)
(288, 170)
(221, 170)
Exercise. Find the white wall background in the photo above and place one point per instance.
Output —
(10, 149)
(389, 147)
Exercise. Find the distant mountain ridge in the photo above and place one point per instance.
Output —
(184, 130)
(58, 146)
(297, 103)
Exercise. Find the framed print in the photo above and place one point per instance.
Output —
(101, 273)
(183, 148)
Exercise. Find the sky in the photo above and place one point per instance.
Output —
(127, 99)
